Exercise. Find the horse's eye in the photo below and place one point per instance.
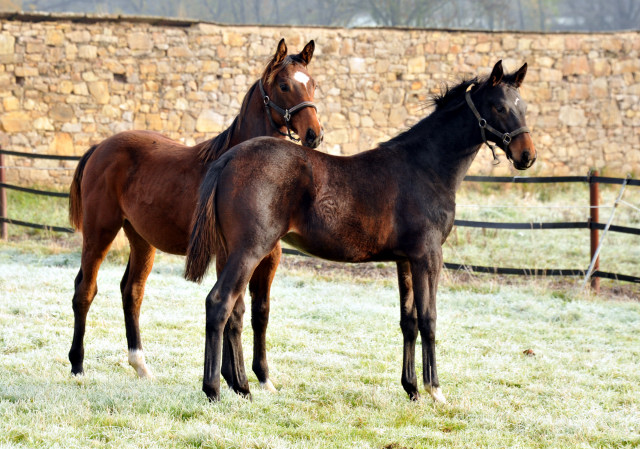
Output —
(501, 109)
(284, 87)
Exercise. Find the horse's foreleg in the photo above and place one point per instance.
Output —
(425, 273)
(94, 249)
(409, 326)
(259, 288)
(132, 288)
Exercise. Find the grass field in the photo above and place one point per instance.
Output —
(334, 346)
(335, 353)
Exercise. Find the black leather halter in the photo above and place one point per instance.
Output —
(286, 113)
(505, 137)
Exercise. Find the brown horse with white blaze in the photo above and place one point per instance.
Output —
(147, 184)
(393, 203)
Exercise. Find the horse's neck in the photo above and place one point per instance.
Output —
(452, 142)
(254, 121)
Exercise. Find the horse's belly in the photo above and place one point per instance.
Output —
(161, 231)
(336, 250)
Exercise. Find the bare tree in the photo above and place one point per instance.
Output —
(585, 15)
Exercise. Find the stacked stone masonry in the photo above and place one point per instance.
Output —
(67, 82)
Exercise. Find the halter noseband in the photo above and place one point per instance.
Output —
(505, 137)
(286, 113)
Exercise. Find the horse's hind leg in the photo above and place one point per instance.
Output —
(237, 376)
(221, 303)
(227, 369)
(259, 288)
(132, 288)
(409, 326)
(232, 368)
(94, 249)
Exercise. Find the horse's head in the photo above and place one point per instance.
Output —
(501, 115)
(288, 90)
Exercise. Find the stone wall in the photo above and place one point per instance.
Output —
(69, 81)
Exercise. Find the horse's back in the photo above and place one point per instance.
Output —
(147, 179)
(136, 145)
(318, 202)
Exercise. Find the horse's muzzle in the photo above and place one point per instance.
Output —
(312, 140)
(525, 161)
(522, 152)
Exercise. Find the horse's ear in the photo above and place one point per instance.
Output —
(281, 52)
(519, 75)
(307, 52)
(496, 74)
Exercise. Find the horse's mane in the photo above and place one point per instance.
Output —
(449, 94)
(213, 148)
(450, 97)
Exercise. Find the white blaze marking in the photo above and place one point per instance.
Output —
(136, 359)
(517, 100)
(301, 78)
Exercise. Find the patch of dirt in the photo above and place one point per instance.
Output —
(327, 269)
(387, 272)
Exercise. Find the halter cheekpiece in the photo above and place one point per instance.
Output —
(286, 113)
(505, 137)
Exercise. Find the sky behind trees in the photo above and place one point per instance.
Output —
(533, 15)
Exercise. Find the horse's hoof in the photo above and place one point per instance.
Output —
(77, 371)
(212, 394)
(268, 386)
(436, 394)
(415, 396)
(243, 392)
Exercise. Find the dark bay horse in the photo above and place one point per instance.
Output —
(147, 184)
(392, 203)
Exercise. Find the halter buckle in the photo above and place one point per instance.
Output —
(287, 115)
(266, 100)
(482, 123)
(506, 139)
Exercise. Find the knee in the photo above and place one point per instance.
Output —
(217, 313)
(259, 312)
(428, 328)
(409, 326)
(82, 302)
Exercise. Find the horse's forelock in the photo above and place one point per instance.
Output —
(272, 70)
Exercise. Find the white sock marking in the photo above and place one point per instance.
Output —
(436, 394)
(268, 386)
(136, 359)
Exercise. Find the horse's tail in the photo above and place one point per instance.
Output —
(205, 238)
(75, 194)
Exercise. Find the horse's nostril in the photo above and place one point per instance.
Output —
(311, 136)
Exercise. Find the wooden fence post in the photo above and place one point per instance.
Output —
(3, 200)
(594, 202)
